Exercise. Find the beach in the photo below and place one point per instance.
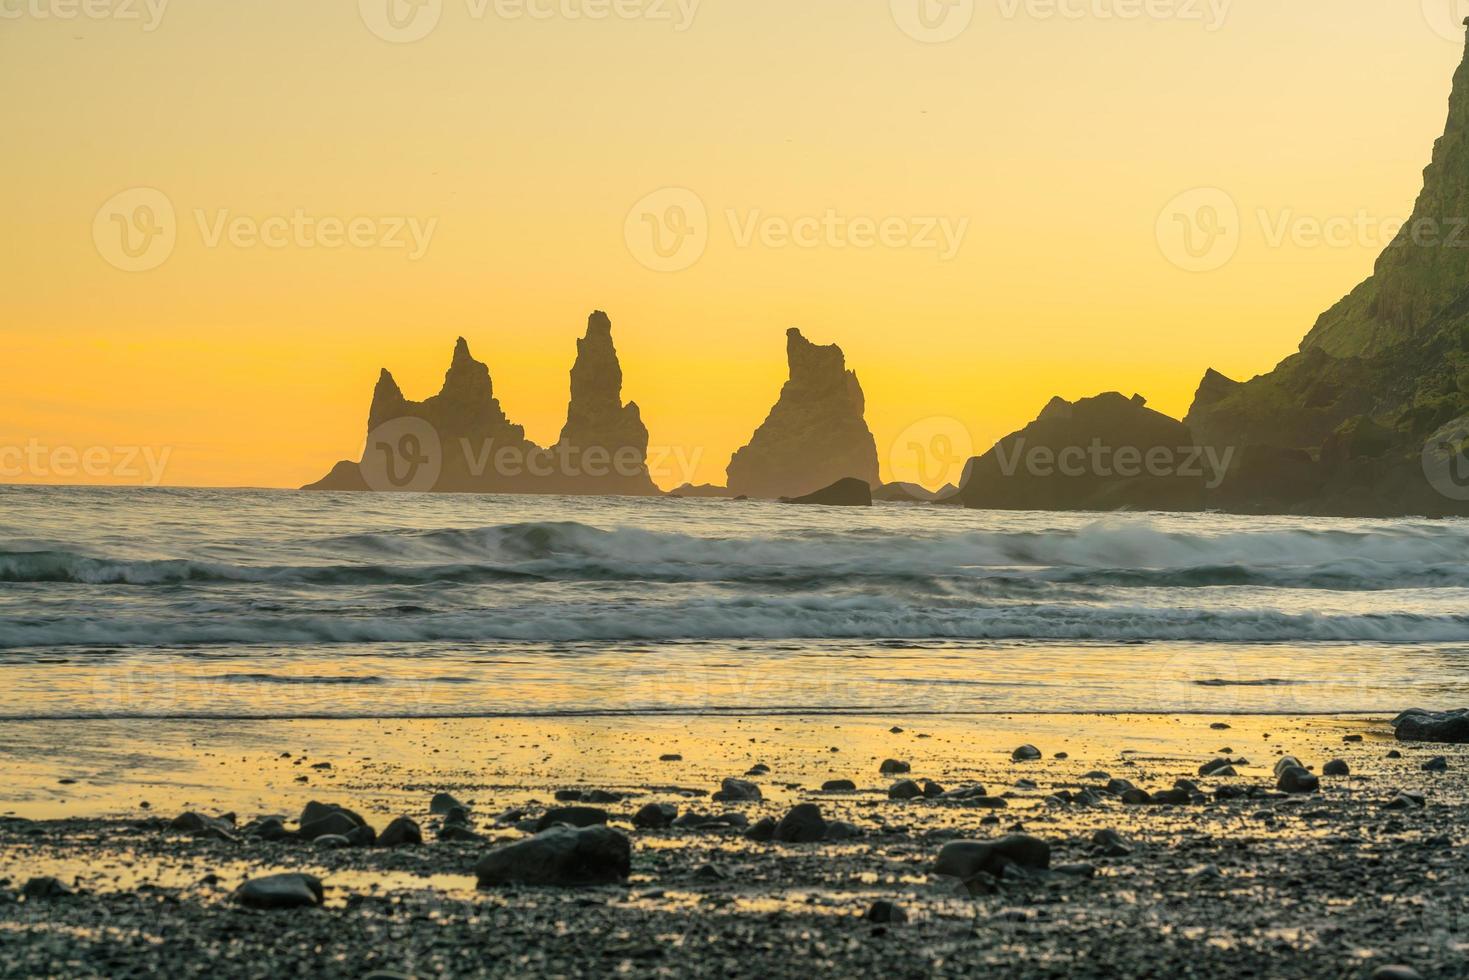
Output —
(1333, 883)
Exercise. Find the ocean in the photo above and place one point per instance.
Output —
(219, 604)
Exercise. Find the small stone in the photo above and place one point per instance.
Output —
(44, 889)
(968, 860)
(332, 842)
(572, 816)
(401, 832)
(1220, 726)
(737, 791)
(886, 913)
(1394, 754)
(655, 816)
(905, 789)
(442, 803)
(670, 757)
(282, 891)
(763, 831)
(839, 786)
(895, 730)
(336, 823)
(1216, 767)
(1351, 738)
(1336, 767)
(802, 825)
(1437, 764)
(932, 790)
(894, 767)
(1026, 753)
(1396, 972)
(1294, 779)
(842, 830)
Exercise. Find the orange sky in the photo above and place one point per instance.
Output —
(297, 144)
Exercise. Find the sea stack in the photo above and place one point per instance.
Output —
(460, 440)
(604, 445)
(815, 435)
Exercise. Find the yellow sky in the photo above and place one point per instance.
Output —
(1055, 133)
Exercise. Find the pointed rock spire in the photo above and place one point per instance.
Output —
(604, 444)
(814, 436)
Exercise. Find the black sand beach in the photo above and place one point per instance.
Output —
(1228, 877)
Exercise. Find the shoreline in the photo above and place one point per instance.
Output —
(1333, 883)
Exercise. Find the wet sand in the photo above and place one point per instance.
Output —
(1331, 884)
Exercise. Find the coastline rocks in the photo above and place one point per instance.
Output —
(1102, 453)
(1448, 727)
(282, 891)
(562, 856)
(814, 436)
(848, 492)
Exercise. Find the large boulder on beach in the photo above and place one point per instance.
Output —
(283, 891)
(562, 856)
(1417, 725)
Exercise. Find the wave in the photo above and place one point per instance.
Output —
(765, 618)
(1112, 553)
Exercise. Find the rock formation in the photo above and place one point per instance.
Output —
(460, 440)
(846, 492)
(1341, 426)
(1104, 453)
(604, 444)
(814, 436)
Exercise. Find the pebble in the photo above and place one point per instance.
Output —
(838, 786)
(1336, 767)
(573, 816)
(442, 803)
(44, 889)
(886, 913)
(1396, 972)
(1026, 753)
(738, 791)
(1437, 764)
(1294, 779)
(893, 767)
(291, 890)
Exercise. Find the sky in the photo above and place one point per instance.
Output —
(224, 218)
